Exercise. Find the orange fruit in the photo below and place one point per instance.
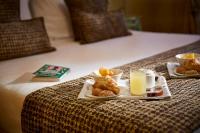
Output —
(103, 71)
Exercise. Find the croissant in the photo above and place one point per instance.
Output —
(196, 67)
(105, 83)
(192, 65)
(188, 64)
(101, 92)
(181, 70)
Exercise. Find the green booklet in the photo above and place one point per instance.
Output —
(50, 73)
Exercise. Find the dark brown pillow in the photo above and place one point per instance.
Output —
(9, 11)
(23, 38)
(92, 6)
(95, 27)
(95, 6)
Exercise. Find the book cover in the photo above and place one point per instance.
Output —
(50, 73)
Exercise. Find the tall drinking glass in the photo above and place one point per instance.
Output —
(137, 83)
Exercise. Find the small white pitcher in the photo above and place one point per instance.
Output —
(150, 78)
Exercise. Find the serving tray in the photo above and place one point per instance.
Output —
(86, 91)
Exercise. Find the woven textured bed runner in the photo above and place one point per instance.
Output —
(56, 108)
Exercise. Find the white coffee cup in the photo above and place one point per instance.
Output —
(150, 78)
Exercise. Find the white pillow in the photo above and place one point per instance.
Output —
(24, 10)
(56, 17)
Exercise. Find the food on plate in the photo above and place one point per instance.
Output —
(105, 86)
(192, 65)
(189, 67)
(104, 71)
(181, 70)
(188, 56)
(100, 92)
(191, 72)
(113, 73)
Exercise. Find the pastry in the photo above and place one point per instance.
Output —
(196, 66)
(189, 67)
(191, 72)
(105, 86)
(101, 92)
(181, 70)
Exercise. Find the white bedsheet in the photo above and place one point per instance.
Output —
(15, 75)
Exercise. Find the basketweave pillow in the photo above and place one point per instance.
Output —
(23, 38)
(95, 27)
(92, 6)
(95, 6)
(56, 16)
(9, 11)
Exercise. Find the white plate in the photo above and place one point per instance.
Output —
(123, 85)
(171, 67)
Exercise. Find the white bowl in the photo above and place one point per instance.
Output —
(116, 76)
(185, 57)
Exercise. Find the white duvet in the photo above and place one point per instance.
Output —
(15, 75)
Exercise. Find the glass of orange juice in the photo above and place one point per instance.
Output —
(137, 83)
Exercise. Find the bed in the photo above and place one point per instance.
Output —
(16, 74)
(81, 59)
